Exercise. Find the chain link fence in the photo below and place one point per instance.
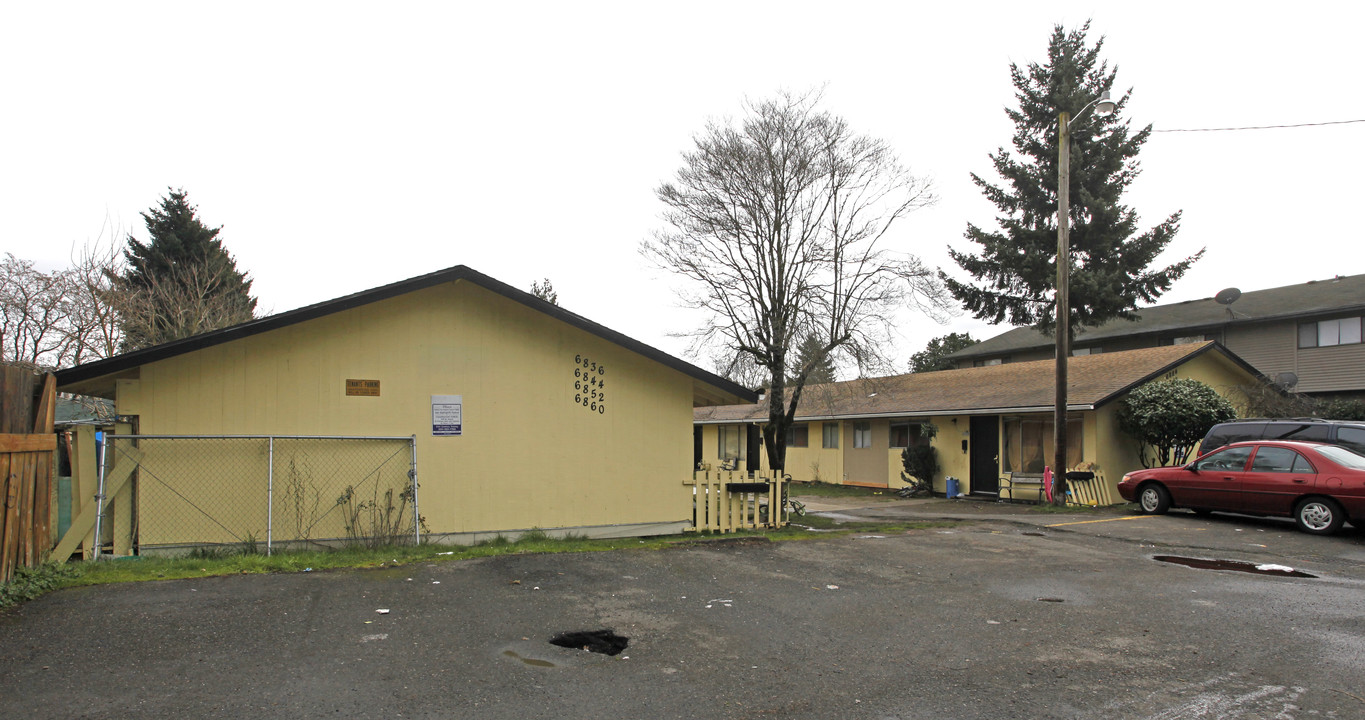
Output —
(267, 492)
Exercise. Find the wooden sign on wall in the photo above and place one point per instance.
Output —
(362, 388)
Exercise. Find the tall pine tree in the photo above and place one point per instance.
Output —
(1015, 271)
(181, 282)
(811, 355)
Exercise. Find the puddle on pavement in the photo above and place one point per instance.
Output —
(606, 642)
(1246, 567)
(529, 661)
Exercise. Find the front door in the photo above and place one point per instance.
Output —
(755, 449)
(985, 454)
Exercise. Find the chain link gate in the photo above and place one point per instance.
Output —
(247, 490)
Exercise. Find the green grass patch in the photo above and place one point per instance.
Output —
(206, 563)
(821, 489)
(246, 559)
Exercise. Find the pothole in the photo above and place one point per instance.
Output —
(1237, 565)
(606, 642)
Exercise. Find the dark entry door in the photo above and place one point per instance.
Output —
(755, 448)
(985, 454)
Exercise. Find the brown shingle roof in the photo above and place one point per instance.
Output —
(1092, 380)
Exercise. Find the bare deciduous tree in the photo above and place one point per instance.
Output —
(64, 317)
(90, 292)
(776, 222)
(178, 302)
(33, 314)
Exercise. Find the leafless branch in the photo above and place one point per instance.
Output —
(776, 223)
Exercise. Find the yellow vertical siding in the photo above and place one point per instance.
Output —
(529, 456)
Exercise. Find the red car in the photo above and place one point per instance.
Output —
(1320, 486)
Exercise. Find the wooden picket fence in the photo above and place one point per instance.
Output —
(728, 500)
(27, 446)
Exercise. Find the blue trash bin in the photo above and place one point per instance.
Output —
(952, 489)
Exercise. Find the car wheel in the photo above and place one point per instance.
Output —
(1153, 499)
(1319, 516)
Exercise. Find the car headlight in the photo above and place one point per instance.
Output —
(1125, 479)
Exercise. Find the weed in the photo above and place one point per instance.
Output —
(29, 583)
(532, 536)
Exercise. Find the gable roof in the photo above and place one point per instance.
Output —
(98, 377)
(1344, 293)
(1092, 381)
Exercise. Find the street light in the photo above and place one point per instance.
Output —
(1103, 106)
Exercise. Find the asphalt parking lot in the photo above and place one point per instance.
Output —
(998, 613)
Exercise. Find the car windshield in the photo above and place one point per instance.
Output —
(1343, 457)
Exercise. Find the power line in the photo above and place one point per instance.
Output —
(1260, 127)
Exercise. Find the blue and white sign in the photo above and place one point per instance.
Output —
(447, 415)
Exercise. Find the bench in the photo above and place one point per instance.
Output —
(1081, 487)
(1029, 482)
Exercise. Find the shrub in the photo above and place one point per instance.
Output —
(1341, 409)
(1169, 417)
(919, 460)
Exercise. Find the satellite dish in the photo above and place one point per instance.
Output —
(1227, 296)
(1287, 379)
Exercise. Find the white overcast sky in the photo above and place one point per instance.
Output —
(343, 146)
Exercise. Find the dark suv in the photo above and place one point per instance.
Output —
(1350, 435)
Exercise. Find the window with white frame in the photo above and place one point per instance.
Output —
(862, 435)
(1326, 333)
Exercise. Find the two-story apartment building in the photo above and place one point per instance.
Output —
(1305, 337)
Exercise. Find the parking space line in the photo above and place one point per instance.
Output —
(1087, 522)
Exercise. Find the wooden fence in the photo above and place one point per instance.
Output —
(27, 445)
(727, 500)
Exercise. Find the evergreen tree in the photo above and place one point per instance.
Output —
(182, 281)
(934, 356)
(1015, 271)
(811, 354)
